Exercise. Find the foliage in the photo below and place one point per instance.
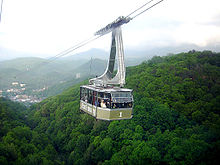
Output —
(176, 120)
(11, 115)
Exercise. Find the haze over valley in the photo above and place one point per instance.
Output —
(31, 79)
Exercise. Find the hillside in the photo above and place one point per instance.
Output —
(176, 120)
(43, 78)
(36, 72)
(87, 70)
(18, 143)
(34, 79)
(11, 115)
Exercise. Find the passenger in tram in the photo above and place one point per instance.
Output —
(96, 103)
(118, 105)
(86, 99)
(99, 102)
(108, 104)
(113, 105)
(103, 104)
(121, 105)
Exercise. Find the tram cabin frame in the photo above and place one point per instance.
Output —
(106, 103)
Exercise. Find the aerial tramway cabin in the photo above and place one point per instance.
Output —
(106, 103)
(104, 97)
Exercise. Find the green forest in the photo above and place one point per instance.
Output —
(175, 120)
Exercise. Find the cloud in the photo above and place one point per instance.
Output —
(51, 26)
(215, 20)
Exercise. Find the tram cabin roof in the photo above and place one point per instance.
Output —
(108, 89)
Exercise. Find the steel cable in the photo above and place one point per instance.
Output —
(146, 9)
(139, 8)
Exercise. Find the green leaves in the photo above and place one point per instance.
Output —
(175, 120)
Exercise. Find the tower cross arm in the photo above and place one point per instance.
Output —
(118, 22)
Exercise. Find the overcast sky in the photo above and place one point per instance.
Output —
(47, 27)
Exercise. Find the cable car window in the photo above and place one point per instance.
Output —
(95, 98)
(100, 98)
(122, 97)
(107, 100)
(121, 94)
(104, 100)
(125, 94)
(121, 105)
(107, 96)
(84, 94)
(115, 94)
(90, 96)
(121, 100)
(100, 94)
(81, 97)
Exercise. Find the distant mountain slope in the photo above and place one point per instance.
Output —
(40, 64)
(54, 76)
(36, 72)
(176, 117)
(91, 69)
(91, 53)
(21, 63)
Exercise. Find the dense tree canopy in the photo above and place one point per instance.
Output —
(176, 120)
